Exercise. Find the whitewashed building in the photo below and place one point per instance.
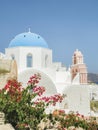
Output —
(33, 55)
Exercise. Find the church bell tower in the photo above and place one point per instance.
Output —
(79, 67)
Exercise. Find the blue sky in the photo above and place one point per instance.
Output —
(65, 24)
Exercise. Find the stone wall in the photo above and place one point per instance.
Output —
(8, 69)
(1, 118)
(4, 126)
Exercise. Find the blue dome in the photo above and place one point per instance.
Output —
(28, 39)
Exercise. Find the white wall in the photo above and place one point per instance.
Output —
(38, 54)
(79, 99)
(63, 77)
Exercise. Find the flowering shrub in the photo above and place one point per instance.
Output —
(66, 121)
(50, 100)
(19, 104)
(25, 108)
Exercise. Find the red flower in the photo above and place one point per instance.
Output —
(34, 79)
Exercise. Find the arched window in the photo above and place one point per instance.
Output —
(75, 60)
(29, 60)
(46, 60)
(12, 57)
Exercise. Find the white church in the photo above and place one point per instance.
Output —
(32, 55)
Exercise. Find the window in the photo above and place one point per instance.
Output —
(46, 60)
(75, 60)
(12, 57)
(29, 60)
